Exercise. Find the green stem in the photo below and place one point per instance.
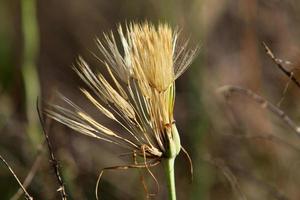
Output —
(171, 153)
(169, 167)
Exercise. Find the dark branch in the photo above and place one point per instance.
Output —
(280, 66)
(228, 89)
(53, 160)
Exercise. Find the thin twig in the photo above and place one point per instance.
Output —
(269, 188)
(54, 162)
(124, 167)
(31, 173)
(229, 175)
(227, 89)
(285, 90)
(27, 195)
(279, 65)
(268, 137)
(228, 169)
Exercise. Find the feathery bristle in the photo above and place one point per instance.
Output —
(151, 53)
(140, 96)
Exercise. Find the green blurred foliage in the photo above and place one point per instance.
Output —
(6, 51)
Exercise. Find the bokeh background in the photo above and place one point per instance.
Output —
(239, 150)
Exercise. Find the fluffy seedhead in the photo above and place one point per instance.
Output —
(138, 94)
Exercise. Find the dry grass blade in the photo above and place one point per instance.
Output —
(27, 195)
(280, 66)
(228, 89)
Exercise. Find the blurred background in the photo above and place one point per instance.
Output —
(239, 150)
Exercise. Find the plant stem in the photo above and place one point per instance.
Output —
(169, 167)
(29, 68)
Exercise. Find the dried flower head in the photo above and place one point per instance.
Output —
(139, 93)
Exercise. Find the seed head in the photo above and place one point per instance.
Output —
(139, 93)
